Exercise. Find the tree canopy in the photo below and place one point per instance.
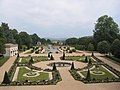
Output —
(103, 47)
(115, 48)
(106, 29)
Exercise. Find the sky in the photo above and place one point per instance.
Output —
(57, 18)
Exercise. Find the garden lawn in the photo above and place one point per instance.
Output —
(78, 58)
(40, 58)
(23, 70)
(3, 60)
(106, 75)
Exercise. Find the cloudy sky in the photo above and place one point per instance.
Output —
(57, 18)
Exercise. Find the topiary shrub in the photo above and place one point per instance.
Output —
(51, 58)
(72, 66)
(37, 52)
(86, 59)
(54, 67)
(88, 77)
(6, 79)
(63, 57)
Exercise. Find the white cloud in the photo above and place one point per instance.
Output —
(57, 13)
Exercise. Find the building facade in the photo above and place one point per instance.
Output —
(11, 49)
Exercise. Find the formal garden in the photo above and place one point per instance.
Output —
(23, 73)
(97, 72)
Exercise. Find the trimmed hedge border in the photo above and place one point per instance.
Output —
(113, 58)
(56, 76)
(76, 76)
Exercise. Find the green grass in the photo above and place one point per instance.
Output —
(29, 52)
(22, 71)
(107, 73)
(40, 58)
(3, 60)
(78, 58)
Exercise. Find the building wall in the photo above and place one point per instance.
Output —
(12, 51)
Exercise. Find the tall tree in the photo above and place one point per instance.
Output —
(106, 29)
(115, 48)
(26, 39)
(103, 47)
(35, 39)
(90, 47)
(8, 33)
(17, 38)
(2, 41)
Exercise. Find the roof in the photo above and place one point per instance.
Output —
(8, 45)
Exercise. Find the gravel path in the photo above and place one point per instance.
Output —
(6, 67)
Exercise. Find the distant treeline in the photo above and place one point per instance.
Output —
(23, 39)
(105, 39)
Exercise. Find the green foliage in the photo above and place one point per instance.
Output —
(26, 39)
(80, 47)
(18, 55)
(2, 48)
(70, 51)
(37, 52)
(68, 48)
(86, 59)
(63, 57)
(115, 48)
(35, 39)
(31, 61)
(32, 51)
(51, 57)
(72, 66)
(92, 54)
(90, 62)
(8, 36)
(72, 41)
(73, 50)
(91, 47)
(80, 43)
(48, 55)
(17, 38)
(105, 29)
(54, 67)
(103, 47)
(88, 77)
(6, 79)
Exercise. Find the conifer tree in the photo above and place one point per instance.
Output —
(51, 58)
(86, 59)
(63, 56)
(54, 67)
(6, 79)
(88, 77)
(72, 66)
